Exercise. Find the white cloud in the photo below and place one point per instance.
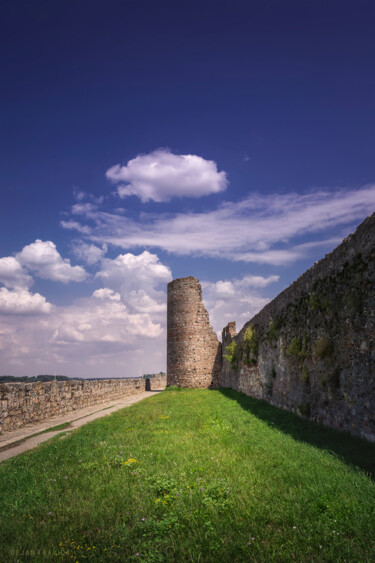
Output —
(75, 226)
(82, 208)
(255, 281)
(80, 195)
(21, 302)
(136, 278)
(140, 301)
(161, 175)
(235, 300)
(92, 338)
(105, 293)
(89, 252)
(43, 258)
(12, 275)
(103, 318)
(258, 229)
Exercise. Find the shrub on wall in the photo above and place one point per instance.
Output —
(323, 347)
(250, 345)
(231, 354)
(299, 346)
(295, 346)
(318, 303)
(274, 328)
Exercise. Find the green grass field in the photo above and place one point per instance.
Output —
(191, 475)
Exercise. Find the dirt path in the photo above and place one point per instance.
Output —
(23, 439)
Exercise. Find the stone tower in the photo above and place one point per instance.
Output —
(193, 349)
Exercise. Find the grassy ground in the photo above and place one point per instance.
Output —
(191, 476)
(51, 429)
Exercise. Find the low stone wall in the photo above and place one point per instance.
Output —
(24, 403)
(158, 382)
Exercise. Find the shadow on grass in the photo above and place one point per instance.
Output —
(355, 452)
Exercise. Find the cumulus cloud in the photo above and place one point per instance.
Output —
(103, 319)
(235, 300)
(128, 305)
(140, 301)
(161, 175)
(118, 331)
(12, 275)
(260, 229)
(22, 302)
(43, 258)
(93, 337)
(89, 252)
(105, 293)
(137, 278)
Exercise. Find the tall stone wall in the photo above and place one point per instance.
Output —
(25, 403)
(312, 349)
(193, 349)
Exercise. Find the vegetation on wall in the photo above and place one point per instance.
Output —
(247, 350)
(299, 346)
(274, 329)
(250, 345)
(318, 302)
(323, 347)
(231, 354)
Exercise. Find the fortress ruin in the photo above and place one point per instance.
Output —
(311, 350)
(193, 349)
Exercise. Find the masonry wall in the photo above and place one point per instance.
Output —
(312, 349)
(24, 403)
(193, 349)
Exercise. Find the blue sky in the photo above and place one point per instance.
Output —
(143, 141)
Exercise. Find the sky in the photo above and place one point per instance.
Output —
(145, 141)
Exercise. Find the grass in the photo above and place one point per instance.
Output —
(62, 426)
(193, 475)
(56, 428)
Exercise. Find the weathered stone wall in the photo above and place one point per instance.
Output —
(24, 403)
(312, 349)
(193, 349)
(158, 382)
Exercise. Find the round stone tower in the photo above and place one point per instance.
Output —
(193, 349)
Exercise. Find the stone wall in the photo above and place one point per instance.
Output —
(193, 349)
(24, 403)
(312, 349)
(158, 382)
